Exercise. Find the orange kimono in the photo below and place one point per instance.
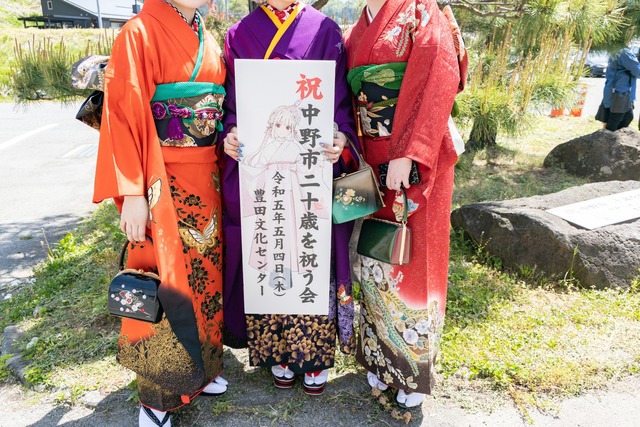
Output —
(142, 152)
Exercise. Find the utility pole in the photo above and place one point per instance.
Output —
(99, 14)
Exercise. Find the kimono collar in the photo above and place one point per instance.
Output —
(369, 15)
(374, 29)
(174, 25)
(196, 17)
(281, 26)
(282, 15)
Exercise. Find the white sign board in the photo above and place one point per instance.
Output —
(284, 113)
(601, 211)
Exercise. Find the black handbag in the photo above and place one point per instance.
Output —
(620, 102)
(386, 241)
(134, 293)
(414, 175)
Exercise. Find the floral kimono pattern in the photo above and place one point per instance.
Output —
(405, 74)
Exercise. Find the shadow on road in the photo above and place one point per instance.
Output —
(25, 244)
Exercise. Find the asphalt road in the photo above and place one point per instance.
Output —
(47, 160)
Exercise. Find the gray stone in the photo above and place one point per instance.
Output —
(92, 399)
(15, 363)
(600, 156)
(521, 233)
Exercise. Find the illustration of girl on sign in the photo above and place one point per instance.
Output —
(279, 168)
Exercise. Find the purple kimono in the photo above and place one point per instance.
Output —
(311, 36)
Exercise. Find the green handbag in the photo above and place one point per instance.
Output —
(386, 241)
(355, 195)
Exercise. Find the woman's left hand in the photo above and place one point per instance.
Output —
(398, 173)
(334, 152)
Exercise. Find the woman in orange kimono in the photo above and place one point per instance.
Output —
(157, 160)
(405, 72)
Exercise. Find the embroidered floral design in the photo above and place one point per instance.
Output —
(423, 16)
(367, 111)
(398, 206)
(130, 301)
(349, 197)
(390, 330)
(306, 341)
(185, 141)
(406, 28)
(212, 304)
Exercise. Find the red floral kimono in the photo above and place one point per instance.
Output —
(142, 153)
(403, 307)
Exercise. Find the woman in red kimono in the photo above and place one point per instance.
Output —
(405, 73)
(157, 160)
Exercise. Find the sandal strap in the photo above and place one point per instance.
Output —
(153, 417)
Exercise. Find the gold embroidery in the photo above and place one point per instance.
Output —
(187, 141)
(161, 358)
(201, 241)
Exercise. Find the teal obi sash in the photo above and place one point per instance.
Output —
(201, 103)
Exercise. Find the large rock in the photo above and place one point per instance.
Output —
(600, 156)
(521, 233)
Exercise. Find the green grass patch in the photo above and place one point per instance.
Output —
(67, 328)
(530, 337)
(4, 369)
(11, 10)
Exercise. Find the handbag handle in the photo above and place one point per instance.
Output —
(405, 215)
(124, 251)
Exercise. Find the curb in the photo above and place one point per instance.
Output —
(15, 363)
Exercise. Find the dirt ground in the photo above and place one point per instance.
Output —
(252, 400)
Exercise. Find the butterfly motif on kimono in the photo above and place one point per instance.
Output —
(193, 238)
(343, 297)
(153, 195)
(216, 181)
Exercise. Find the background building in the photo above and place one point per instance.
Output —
(83, 13)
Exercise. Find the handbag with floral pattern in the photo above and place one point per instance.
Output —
(356, 195)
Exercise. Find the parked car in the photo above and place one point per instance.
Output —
(596, 63)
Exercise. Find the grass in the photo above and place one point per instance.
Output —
(536, 340)
(11, 10)
(507, 332)
(69, 335)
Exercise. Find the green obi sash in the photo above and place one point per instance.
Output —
(377, 88)
(386, 75)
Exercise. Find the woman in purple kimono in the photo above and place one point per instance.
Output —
(288, 344)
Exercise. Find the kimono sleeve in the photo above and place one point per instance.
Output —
(230, 55)
(127, 126)
(431, 81)
(343, 106)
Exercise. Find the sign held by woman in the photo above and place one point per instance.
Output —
(285, 184)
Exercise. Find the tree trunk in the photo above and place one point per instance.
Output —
(483, 135)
